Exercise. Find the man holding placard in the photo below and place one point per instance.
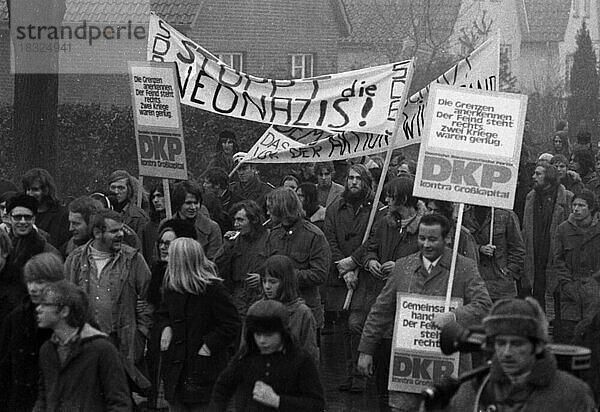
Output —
(423, 274)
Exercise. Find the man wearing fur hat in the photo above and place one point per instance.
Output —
(122, 184)
(523, 375)
(576, 260)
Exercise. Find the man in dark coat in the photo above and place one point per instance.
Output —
(250, 186)
(546, 207)
(345, 224)
(523, 376)
(301, 241)
(21, 339)
(80, 369)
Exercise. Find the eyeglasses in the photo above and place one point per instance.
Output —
(18, 218)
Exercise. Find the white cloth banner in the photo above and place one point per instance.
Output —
(477, 71)
(365, 100)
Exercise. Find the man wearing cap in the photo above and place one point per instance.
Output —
(576, 260)
(523, 375)
(122, 184)
(26, 239)
(546, 207)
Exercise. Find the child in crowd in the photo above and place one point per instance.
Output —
(269, 371)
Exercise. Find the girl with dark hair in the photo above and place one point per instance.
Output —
(309, 196)
(198, 323)
(280, 282)
(269, 371)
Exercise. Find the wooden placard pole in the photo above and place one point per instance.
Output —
(384, 170)
(167, 194)
(461, 211)
(235, 168)
(492, 228)
(140, 192)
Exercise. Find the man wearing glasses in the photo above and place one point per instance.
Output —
(26, 239)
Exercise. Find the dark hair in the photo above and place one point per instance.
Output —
(98, 219)
(586, 161)
(445, 208)
(436, 219)
(224, 136)
(265, 316)
(217, 176)
(85, 206)
(289, 177)
(285, 204)
(155, 214)
(66, 294)
(400, 189)
(282, 268)
(584, 137)
(44, 267)
(49, 196)
(325, 165)
(131, 185)
(589, 197)
(412, 165)
(311, 197)
(559, 158)
(180, 191)
(253, 213)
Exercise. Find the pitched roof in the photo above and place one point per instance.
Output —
(543, 20)
(176, 12)
(382, 21)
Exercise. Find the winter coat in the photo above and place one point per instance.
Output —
(20, 343)
(306, 246)
(12, 289)
(91, 379)
(389, 241)
(135, 217)
(499, 271)
(292, 374)
(129, 267)
(246, 254)
(344, 229)
(255, 189)
(55, 221)
(208, 318)
(303, 327)
(318, 217)
(24, 248)
(576, 260)
(562, 209)
(208, 234)
(410, 276)
(547, 389)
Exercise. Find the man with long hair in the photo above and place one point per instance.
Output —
(302, 242)
(116, 278)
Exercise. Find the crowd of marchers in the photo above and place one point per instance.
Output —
(109, 305)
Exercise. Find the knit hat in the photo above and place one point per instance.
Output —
(589, 197)
(182, 228)
(22, 200)
(521, 317)
(267, 316)
(7, 186)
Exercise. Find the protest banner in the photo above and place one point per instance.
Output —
(471, 146)
(479, 70)
(157, 120)
(366, 100)
(416, 359)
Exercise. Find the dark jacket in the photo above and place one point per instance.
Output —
(562, 209)
(135, 217)
(12, 289)
(344, 229)
(303, 327)
(576, 260)
(20, 343)
(306, 246)
(292, 374)
(209, 318)
(255, 189)
(208, 234)
(91, 379)
(55, 221)
(547, 389)
(246, 254)
(506, 265)
(389, 241)
(24, 248)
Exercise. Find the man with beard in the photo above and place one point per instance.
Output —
(301, 241)
(546, 207)
(26, 239)
(116, 278)
(345, 224)
(124, 187)
(329, 191)
(187, 200)
(250, 186)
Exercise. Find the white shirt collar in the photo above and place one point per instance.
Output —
(427, 263)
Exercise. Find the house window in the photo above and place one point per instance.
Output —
(568, 67)
(233, 60)
(302, 66)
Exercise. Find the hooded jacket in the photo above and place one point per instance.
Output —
(91, 378)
